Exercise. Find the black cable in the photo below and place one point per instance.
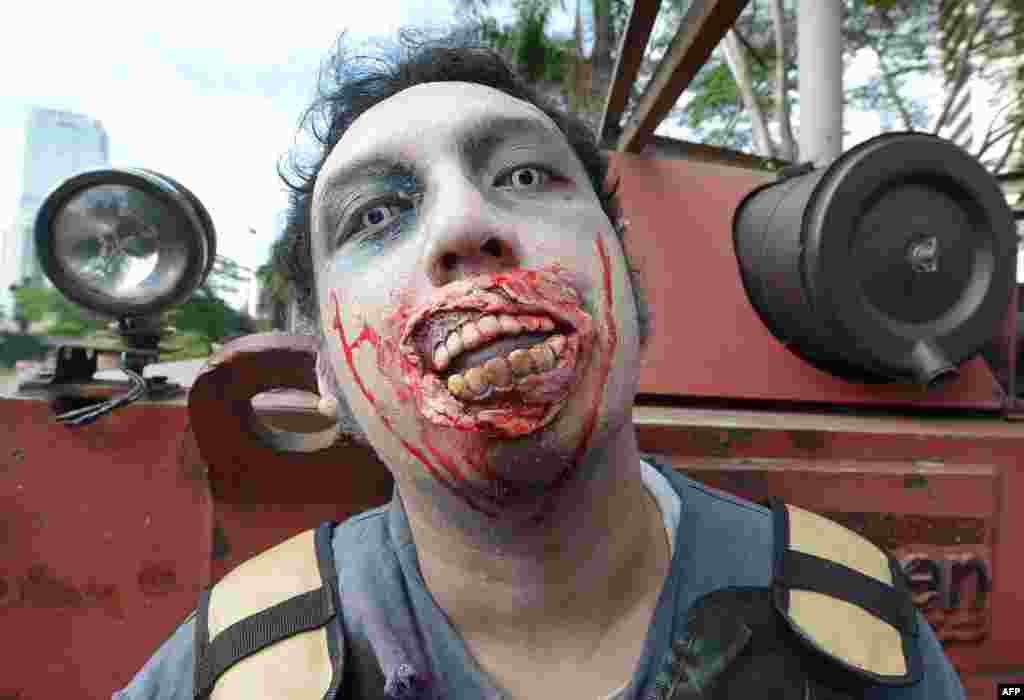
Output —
(88, 414)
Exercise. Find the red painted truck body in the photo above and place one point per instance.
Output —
(110, 530)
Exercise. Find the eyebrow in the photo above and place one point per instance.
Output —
(477, 141)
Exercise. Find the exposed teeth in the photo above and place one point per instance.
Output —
(509, 324)
(441, 357)
(470, 336)
(476, 380)
(556, 343)
(489, 327)
(521, 362)
(454, 343)
(456, 384)
(543, 357)
(497, 371)
(500, 371)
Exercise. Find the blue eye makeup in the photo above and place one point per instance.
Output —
(372, 223)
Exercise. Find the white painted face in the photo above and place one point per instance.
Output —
(476, 300)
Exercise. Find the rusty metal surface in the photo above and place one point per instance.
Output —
(950, 585)
(808, 428)
(103, 530)
(700, 29)
(274, 476)
(707, 340)
(937, 498)
(241, 451)
(83, 561)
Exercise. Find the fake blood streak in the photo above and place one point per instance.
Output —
(452, 469)
(607, 358)
(370, 336)
(367, 334)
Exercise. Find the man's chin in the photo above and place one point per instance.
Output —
(522, 493)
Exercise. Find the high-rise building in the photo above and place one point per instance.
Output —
(57, 145)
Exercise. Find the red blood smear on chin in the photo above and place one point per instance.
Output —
(607, 357)
(370, 336)
(453, 470)
(367, 334)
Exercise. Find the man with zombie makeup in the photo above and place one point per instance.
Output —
(482, 330)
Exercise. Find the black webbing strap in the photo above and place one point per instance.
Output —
(302, 613)
(323, 543)
(810, 573)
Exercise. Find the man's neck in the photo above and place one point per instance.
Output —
(601, 552)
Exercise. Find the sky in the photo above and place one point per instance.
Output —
(209, 93)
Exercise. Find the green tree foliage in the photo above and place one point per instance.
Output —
(899, 34)
(39, 303)
(19, 346)
(712, 107)
(204, 319)
(525, 42)
(548, 61)
(274, 295)
(716, 110)
(206, 316)
(532, 49)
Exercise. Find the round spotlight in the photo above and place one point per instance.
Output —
(124, 242)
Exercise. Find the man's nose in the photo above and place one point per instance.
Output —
(470, 238)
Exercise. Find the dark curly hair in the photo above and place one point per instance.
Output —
(349, 86)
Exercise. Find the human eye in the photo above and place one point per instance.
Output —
(375, 217)
(531, 176)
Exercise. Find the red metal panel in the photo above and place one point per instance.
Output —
(110, 532)
(103, 532)
(109, 529)
(944, 477)
(708, 340)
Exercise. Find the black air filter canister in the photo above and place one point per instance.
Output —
(894, 264)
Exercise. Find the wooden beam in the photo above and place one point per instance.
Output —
(703, 26)
(627, 65)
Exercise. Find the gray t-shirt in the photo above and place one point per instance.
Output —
(717, 540)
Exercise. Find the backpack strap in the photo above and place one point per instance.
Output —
(278, 610)
(846, 599)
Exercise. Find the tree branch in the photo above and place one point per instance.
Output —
(730, 127)
(750, 47)
(998, 168)
(737, 63)
(781, 84)
(894, 95)
(991, 138)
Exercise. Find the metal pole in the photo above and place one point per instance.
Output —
(820, 69)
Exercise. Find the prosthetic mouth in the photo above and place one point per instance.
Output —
(499, 353)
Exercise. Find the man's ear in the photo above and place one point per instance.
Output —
(328, 404)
